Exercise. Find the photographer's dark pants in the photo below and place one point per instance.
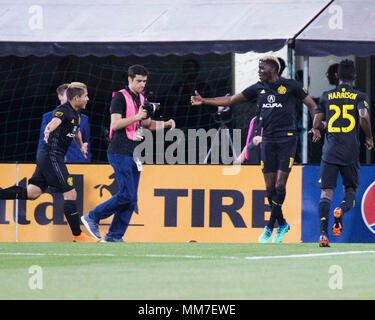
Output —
(123, 203)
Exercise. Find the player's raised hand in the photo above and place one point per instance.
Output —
(197, 99)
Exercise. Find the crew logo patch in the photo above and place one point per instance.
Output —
(281, 90)
(70, 181)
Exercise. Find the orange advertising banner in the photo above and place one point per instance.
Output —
(176, 203)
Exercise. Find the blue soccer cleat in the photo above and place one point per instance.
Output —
(266, 235)
(280, 233)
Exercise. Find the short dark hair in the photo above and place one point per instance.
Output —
(137, 69)
(332, 74)
(75, 89)
(346, 70)
(282, 65)
(61, 88)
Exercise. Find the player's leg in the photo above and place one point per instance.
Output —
(278, 201)
(72, 217)
(350, 181)
(58, 179)
(71, 212)
(323, 209)
(14, 192)
(285, 151)
(35, 188)
(268, 166)
(327, 183)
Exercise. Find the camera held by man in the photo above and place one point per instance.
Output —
(150, 107)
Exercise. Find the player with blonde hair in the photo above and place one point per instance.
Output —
(51, 170)
(277, 99)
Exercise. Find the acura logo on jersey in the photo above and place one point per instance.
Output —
(271, 98)
(72, 134)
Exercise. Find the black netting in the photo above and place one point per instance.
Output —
(28, 89)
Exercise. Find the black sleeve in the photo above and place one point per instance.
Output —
(61, 112)
(299, 90)
(321, 107)
(363, 101)
(250, 93)
(118, 104)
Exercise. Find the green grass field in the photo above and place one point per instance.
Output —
(173, 271)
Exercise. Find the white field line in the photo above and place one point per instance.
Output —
(306, 255)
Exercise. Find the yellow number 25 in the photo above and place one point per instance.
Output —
(345, 115)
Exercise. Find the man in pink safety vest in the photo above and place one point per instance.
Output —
(127, 117)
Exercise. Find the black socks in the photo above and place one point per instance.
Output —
(15, 192)
(277, 200)
(324, 207)
(72, 216)
(348, 202)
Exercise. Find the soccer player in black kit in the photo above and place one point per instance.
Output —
(277, 98)
(345, 110)
(51, 170)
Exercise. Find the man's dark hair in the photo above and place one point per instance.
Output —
(346, 70)
(331, 74)
(282, 65)
(137, 69)
(61, 88)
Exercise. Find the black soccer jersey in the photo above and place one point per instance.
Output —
(60, 139)
(277, 102)
(340, 106)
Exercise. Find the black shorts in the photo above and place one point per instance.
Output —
(277, 156)
(329, 173)
(52, 172)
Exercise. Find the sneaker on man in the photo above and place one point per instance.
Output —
(266, 235)
(337, 225)
(280, 233)
(91, 226)
(110, 239)
(84, 238)
(323, 240)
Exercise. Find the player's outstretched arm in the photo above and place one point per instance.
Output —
(198, 100)
(51, 126)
